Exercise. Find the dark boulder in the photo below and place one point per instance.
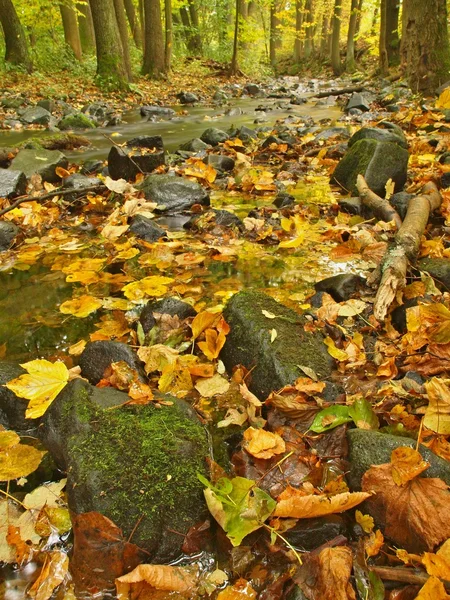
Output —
(341, 287)
(221, 162)
(439, 269)
(98, 356)
(214, 136)
(195, 145)
(12, 408)
(276, 363)
(165, 306)
(40, 161)
(12, 183)
(394, 135)
(187, 98)
(146, 229)
(36, 115)
(8, 232)
(244, 133)
(253, 90)
(47, 104)
(284, 200)
(357, 101)
(400, 202)
(161, 112)
(172, 193)
(79, 182)
(127, 161)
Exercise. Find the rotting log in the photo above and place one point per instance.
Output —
(405, 248)
(380, 207)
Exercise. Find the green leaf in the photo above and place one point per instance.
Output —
(238, 506)
(363, 414)
(330, 417)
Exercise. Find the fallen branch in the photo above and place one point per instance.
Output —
(405, 249)
(404, 575)
(52, 194)
(380, 207)
(349, 90)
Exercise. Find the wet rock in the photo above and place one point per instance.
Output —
(47, 104)
(12, 408)
(439, 269)
(357, 101)
(341, 287)
(12, 103)
(400, 202)
(234, 112)
(244, 133)
(172, 193)
(165, 306)
(91, 166)
(160, 450)
(351, 206)
(162, 112)
(76, 121)
(253, 90)
(8, 232)
(274, 364)
(309, 534)
(377, 161)
(220, 96)
(128, 161)
(195, 145)
(187, 98)
(146, 229)
(284, 200)
(210, 218)
(221, 162)
(96, 111)
(36, 115)
(271, 139)
(43, 162)
(326, 134)
(12, 183)
(368, 448)
(214, 136)
(394, 135)
(445, 180)
(97, 356)
(79, 182)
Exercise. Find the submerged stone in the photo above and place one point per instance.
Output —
(276, 363)
(137, 465)
(309, 534)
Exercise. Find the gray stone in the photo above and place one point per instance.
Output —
(36, 115)
(245, 134)
(195, 145)
(341, 287)
(137, 465)
(76, 121)
(172, 193)
(40, 161)
(97, 356)
(309, 534)
(400, 202)
(187, 98)
(220, 96)
(79, 182)
(377, 161)
(146, 229)
(162, 112)
(214, 136)
(8, 232)
(326, 134)
(221, 162)
(12, 183)
(276, 363)
(130, 160)
(253, 90)
(357, 101)
(91, 166)
(47, 104)
(368, 448)
(165, 306)
(394, 135)
(351, 206)
(439, 269)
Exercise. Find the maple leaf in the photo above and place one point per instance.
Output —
(263, 444)
(80, 307)
(294, 503)
(40, 385)
(144, 578)
(416, 516)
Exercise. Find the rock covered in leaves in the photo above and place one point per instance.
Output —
(97, 356)
(142, 154)
(137, 465)
(165, 306)
(173, 194)
(275, 359)
(40, 161)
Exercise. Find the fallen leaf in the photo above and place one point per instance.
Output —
(438, 564)
(40, 385)
(406, 463)
(159, 577)
(203, 320)
(213, 345)
(9, 515)
(23, 551)
(53, 573)
(433, 590)
(81, 307)
(374, 543)
(263, 444)
(212, 386)
(437, 415)
(240, 590)
(294, 503)
(268, 314)
(365, 521)
(19, 461)
(157, 357)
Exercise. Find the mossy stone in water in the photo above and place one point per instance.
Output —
(276, 363)
(137, 465)
(76, 121)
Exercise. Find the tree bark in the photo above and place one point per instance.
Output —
(350, 58)
(234, 67)
(359, 16)
(325, 37)
(119, 9)
(135, 27)
(195, 26)
(168, 35)
(154, 43)
(309, 28)
(383, 55)
(335, 39)
(274, 36)
(86, 28)
(392, 37)
(15, 41)
(70, 26)
(187, 31)
(111, 70)
(298, 43)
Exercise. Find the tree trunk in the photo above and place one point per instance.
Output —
(243, 15)
(309, 28)
(392, 37)
(359, 17)
(373, 28)
(335, 39)
(15, 41)
(274, 39)
(169, 35)
(70, 25)
(234, 68)
(252, 9)
(135, 27)
(325, 37)
(383, 55)
(86, 28)
(425, 44)
(154, 41)
(350, 58)
(298, 43)
(111, 70)
(187, 31)
(195, 26)
(119, 8)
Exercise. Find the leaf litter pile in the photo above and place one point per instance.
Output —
(284, 521)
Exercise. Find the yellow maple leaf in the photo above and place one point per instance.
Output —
(155, 285)
(17, 460)
(80, 307)
(444, 99)
(40, 385)
(365, 521)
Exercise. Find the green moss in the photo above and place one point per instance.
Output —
(76, 121)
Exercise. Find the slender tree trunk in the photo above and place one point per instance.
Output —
(373, 28)
(335, 39)
(168, 35)
(234, 68)
(142, 22)
(252, 9)
(70, 25)
(187, 31)
(111, 70)
(325, 37)
(86, 28)
(392, 37)
(123, 30)
(359, 17)
(15, 41)
(350, 58)
(154, 41)
(274, 39)
(195, 26)
(298, 43)
(383, 55)
(309, 28)
(135, 27)
(425, 44)
(243, 15)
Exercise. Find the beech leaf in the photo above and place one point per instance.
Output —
(80, 307)
(294, 503)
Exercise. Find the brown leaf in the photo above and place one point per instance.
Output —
(263, 444)
(294, 503)
(406, 463)
(159, 577)
(415, 516)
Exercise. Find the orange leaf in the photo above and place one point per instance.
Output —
(241, 590)
(263, 444)
(213, 345)
(407, 463)
(294, 503)
(202, 321)
(374, 543)
(433, 590)
(159, 577)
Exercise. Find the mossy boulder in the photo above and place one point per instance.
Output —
(377, 161)
(12, 408)
(76, 121)
(276, 363)
(368, 448)
(59, 141)
(137, 465)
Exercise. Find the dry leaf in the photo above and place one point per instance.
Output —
(437, 415)
(204, 320)
(406, 463)
(365, 521)
(293, 503)
(263, 444)
(213, 345)
(212, 386)
(374, 543)
(438, 564)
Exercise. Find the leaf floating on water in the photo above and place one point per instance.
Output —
(81, 307)
(40, 385)
(294, 503)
